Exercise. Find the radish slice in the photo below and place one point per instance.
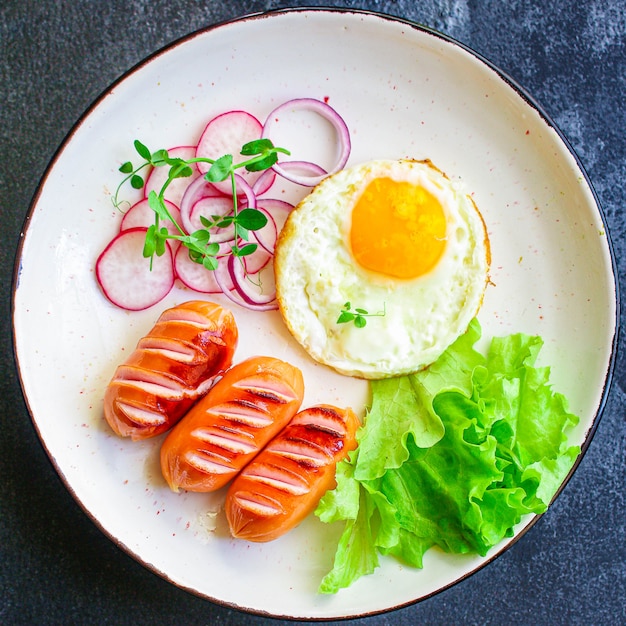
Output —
(226, 134)
(177, 187)
(197, 277)
(328, 113)
(125, 275)
(140, 214)
(207, 207)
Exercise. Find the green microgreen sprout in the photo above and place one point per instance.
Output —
(357, 315)
(262, 155)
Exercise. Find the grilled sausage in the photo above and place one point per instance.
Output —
(252, 402)
(171, 367)
(285, 481)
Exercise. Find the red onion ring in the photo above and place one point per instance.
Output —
(223, 279)
(328, 113)
(302, 170)
(248, 292)
(243, 186)
(266, 236)
(264, 182)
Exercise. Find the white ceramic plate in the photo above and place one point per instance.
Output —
(404, 92)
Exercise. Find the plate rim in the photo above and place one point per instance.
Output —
(254, 16)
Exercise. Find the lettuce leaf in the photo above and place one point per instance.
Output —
(402, 406)
(453, 456)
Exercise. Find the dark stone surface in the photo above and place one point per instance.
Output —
(56, 567)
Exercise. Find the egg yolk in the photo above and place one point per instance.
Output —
(398, 229)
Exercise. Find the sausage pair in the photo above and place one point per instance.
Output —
(247, 428)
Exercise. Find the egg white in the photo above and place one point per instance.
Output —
(316, 274)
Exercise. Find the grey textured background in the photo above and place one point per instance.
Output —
(56, 57)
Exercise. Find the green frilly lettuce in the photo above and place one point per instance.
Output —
(452, 456)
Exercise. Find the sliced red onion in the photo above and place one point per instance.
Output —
(266, 236)
(245, 293)
(302, 172)
(263, 183)
(279, 210)
(244, 188)
(234, 296)
(328, 113)
(198, 189)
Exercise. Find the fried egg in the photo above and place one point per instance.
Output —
(397, 239)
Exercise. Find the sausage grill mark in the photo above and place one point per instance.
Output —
(191, 317)
(168, 348)
(240, 412)
(140, 416)
(262, 388)
(302, 451)
(323, 419)
(260, 505)
(209, 464)
(141, 375)
(280, 478)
